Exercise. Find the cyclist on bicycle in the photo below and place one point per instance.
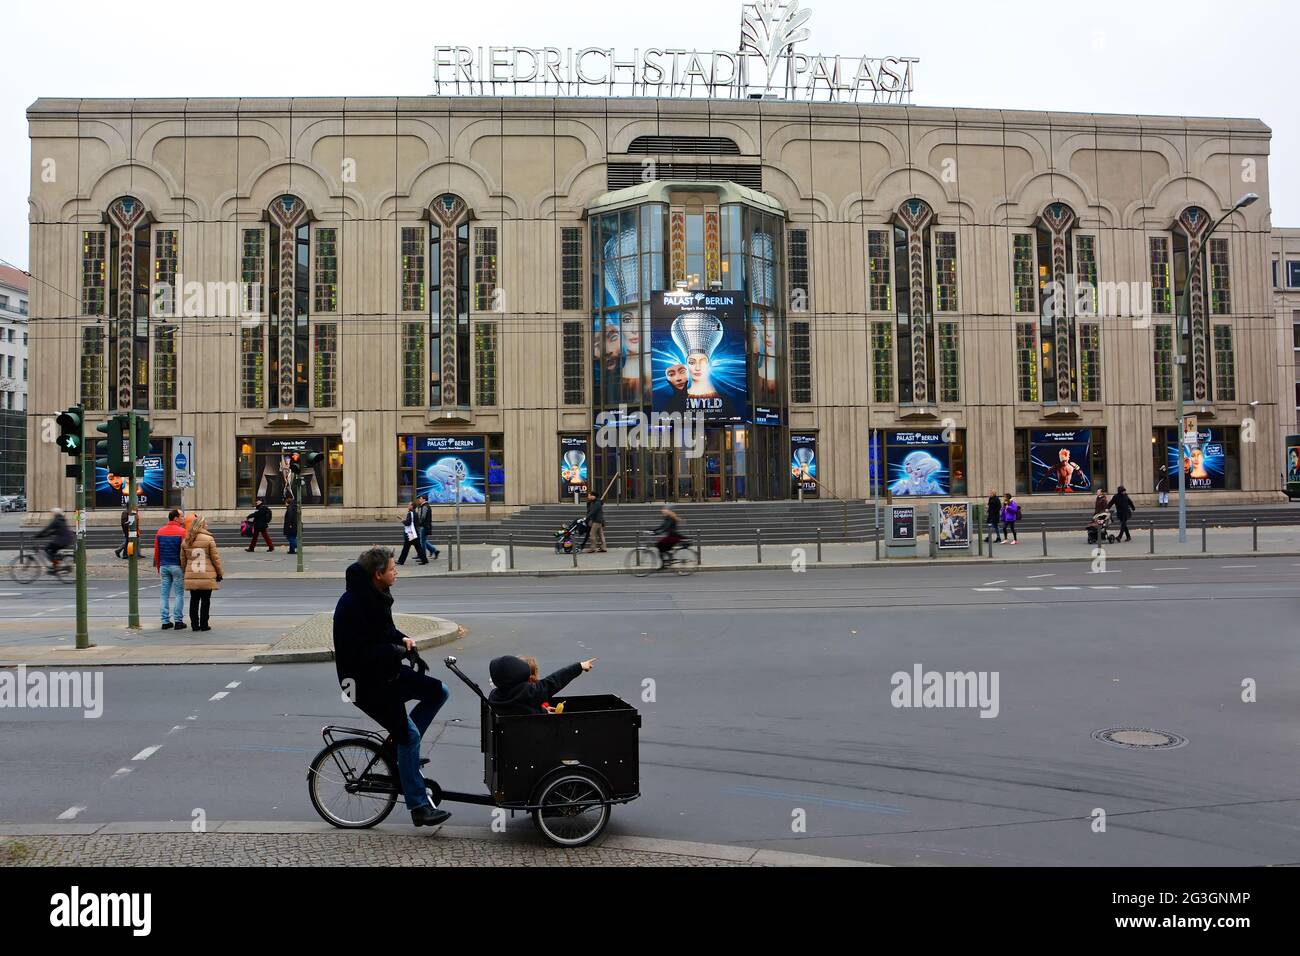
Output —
(668, 528)
(368, 653)
(61, 537)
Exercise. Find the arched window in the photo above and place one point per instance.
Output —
(924, 286)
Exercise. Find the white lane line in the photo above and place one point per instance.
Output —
(986, 589)
(192, 717)
(147, 752)
(218, 695)
(1033, 577)
(1103, 587)
(70, 813)
(11, 593)
(120, 772)
(1066, 587)
(232, 685)
(1140, 587)
(255, 667)
(1182, 568)
(176, 728)
(990, 583)
(1027, 589)
(1238, 565)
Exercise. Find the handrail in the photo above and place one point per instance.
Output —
(844, 501)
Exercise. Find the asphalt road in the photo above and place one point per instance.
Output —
(772, 695)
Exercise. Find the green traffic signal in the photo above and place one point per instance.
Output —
(309, 460)
(70, 438)
(141, 438)
(114, 428)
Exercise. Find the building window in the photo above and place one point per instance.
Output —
(263, 469)
(574, 393)
(1293, 274)
(1089, 362)
(94, 272)
(1163, 359)
(571, 267)
(252, 368)
(164, 367)
(485, 362)
(882, 362)
(1085, 274)
(485, 268)
(1161, 292)
(945, 273)
(880, 287)
(1225, 379)
(412, 364)
(1022, 273)
(92, 369)
(949, 363)
(1026, 362)
(252, 271)
(1220, 286)
(325, 365)
(800, 298)
(1275, 285)
(165, 256)
(800, 362)
(413, 271)
(326, 288)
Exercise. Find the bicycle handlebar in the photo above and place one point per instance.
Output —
(451, 665)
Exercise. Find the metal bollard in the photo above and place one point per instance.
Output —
(699, 549)
(877, 539)
(1202, 536)
(819, 545)
(1043, 529)
(512, 550)
(451, 554)
(574, 552)
(990, 543)
(758, 543)
(1152, 549)
(1254, 534)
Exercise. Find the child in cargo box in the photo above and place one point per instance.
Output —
(517, 690)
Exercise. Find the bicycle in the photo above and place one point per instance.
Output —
(26, 565)
(644, 559)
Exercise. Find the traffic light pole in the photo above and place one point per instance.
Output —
(85, 470)
(133, 567)
(297, 503)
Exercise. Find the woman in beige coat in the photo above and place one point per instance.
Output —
(202, 566)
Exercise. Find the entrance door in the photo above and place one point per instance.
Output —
(715, 461)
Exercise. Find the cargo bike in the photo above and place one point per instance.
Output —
(566, 770)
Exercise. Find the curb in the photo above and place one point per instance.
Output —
(437, 638)
(648, 845)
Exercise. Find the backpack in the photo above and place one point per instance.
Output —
(245, 529)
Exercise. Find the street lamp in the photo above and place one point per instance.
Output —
(1180, 360)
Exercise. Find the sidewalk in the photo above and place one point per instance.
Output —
(241, 843)
(330, 561)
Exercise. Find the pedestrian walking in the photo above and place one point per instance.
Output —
(203, 572)
(260, 520)
(167, 562)
(595, 522)
(411, 534)
(1124, 509)
(994, 518)
(291, 523)
(1162, 487)
(1010, 515)
(424, 525)
(125, 550)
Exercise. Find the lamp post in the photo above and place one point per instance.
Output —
(1180, 360)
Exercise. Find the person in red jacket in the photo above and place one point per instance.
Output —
(167, 560)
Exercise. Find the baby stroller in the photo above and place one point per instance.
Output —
(1099, 529)
(564, 537)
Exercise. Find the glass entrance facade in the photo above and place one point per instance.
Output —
(684, 239)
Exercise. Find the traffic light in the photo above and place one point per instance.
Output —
(71, 439)
(112, 447)
(295, 465)
(141, 438)
(309, 459)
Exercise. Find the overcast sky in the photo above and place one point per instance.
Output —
(1108, 56)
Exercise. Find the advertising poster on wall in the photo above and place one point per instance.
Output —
(275, 476)
(765, 349)
(1203, 461)
(954, 525)
(917, 464)
(1060, 460)
(803, 463)
(112, 491)
(1293, 466)
(698, 355)
(445, 462)
(574, 466)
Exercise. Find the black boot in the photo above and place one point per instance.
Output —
(429, 816)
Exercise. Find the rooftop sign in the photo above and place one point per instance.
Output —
(765, 66)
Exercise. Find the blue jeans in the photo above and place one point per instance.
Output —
(432, 694)
(173, 588)
(293, 542)
(426, 546)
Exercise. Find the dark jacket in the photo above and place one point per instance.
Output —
(424, 518)
(291, 519)
(512, 694)
(596, 512)
(126, 520)
(1123, 505)
(59, 532)
(1101, 504)
(368, 648)
(1162, 482)
(667, 526)
(260, 518)
(994, 510)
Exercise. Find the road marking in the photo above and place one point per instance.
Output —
(1103, 587)
(1002, 581)
(218, 695)
(1183, 568)
(176, 728)
(1140, 587)
(1066, 587)
(11, 593)
(1032, 577)
(986, 589)
(147, 752)
(121, 772)
(255, 667)
(1027, 589)
(1238, 565)
(232, 685)
(192, 717)
(70, 813)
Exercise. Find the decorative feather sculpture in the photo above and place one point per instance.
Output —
(774, 27)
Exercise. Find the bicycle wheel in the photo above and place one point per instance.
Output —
(25, 569)
(686, 560)
(571, 811)
(344, 792)
(643, 560)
